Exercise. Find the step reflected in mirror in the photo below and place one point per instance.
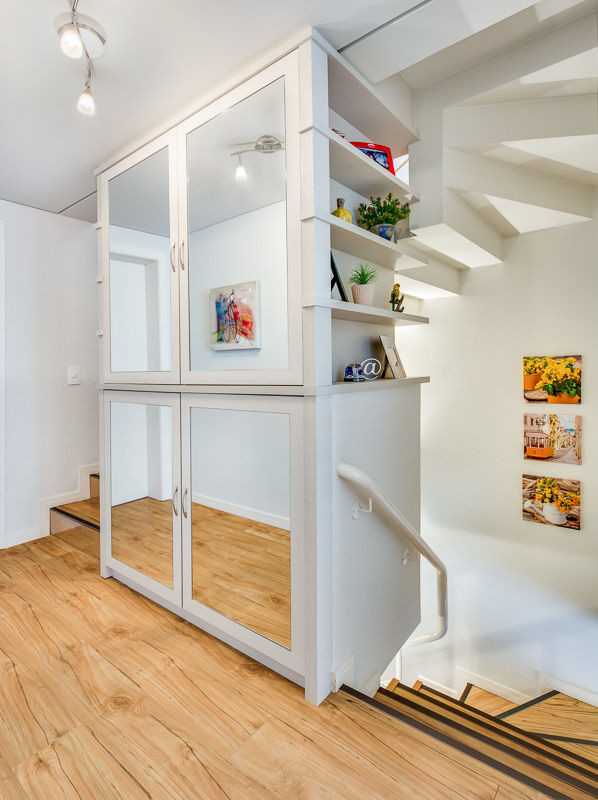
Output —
(140, 324)
(141, 488)
(241, 531)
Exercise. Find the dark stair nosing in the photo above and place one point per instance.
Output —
(499, 745)
(574, 740)
(560, 754)
(532, 783)
(74, 517)
(94, 475)
(528, 704)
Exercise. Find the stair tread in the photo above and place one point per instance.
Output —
(559, 715)
(510, 724)
(84, 510)
(491, 737)
(487, 701)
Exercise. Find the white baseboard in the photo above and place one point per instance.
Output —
(243, 511)
(46, 503)
(343, 673)
(371, 684)
(548, 682)
(439, 687)
(465, 676)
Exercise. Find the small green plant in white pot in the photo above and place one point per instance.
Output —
(362, 284)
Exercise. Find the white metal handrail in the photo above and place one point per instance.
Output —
(382, 505)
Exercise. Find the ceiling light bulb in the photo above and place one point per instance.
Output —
(86, 104)
(240, 172)
(70, 41)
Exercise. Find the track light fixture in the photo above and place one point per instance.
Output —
(81, 37)
(264, 144)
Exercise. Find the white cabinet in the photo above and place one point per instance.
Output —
(225, 415)
(203, 509)
(201, 262)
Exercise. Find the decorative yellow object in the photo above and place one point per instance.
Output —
(341, 212)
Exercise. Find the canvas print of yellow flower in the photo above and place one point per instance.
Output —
(552, 379)
(551, 501)
(552, 437)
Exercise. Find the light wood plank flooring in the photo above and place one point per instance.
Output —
(241, 568)
(105, 695)
(486, 701)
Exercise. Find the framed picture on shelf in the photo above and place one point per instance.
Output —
(393, 360)
(337, 280)
(378, 153)
(235, 322)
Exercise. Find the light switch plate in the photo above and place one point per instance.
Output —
(74, 376)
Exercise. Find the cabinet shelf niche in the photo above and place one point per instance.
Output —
(355, 312)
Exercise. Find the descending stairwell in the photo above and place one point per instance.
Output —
(78, 524)
(535, 759)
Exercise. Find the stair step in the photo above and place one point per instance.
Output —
(78, 529)
(552, 750)
(486, 701)
(537, 764)
(94, 486)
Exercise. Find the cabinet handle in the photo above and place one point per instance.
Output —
(176, 491)
(182, 254)
(186, 492)
(172, 259)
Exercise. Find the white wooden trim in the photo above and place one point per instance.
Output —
(107, 560)
(287, 68)
(158, 377)
(440, 687)
(242, 511)
(2, 383)
(293, 658)
(465, 676)
(548, 682)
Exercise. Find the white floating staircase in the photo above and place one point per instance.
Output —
(517, 158)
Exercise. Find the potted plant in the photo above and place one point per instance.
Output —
(387, 216)
(532, 372)
(561, 380)
(362, 284)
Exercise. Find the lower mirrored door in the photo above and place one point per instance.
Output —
(242, 507)
(142, 504)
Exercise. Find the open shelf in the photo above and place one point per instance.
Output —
(352, 168)
(340, 387)
(359, 313)
(367, 246)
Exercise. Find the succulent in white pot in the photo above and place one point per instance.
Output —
(362, 284)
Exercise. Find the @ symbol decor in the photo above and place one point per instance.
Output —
(235, 322)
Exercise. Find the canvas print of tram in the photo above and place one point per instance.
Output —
(235, 317)
(551, 501)
(552, 379)
(552, 437)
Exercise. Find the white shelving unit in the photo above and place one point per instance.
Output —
(367, 314)
(367, 246)
(351, 167)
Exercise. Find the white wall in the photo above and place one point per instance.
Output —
(251, 247)
(51, 313)
(240, 463)
(522, 595)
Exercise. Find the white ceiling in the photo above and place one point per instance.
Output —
(159, 56)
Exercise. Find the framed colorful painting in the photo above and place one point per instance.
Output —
(551, 501)
(235, 322)
(552, 379)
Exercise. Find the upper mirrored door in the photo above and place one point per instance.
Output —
(239, 169)
(141, 259)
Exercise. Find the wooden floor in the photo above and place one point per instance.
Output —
(241, 568)
(486, 701)
(105, 696)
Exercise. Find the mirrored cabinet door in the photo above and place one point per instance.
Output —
(239, 192)
(140, 266)
(143, 503)
(239, 537)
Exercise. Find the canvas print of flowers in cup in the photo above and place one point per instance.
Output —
(551, 501)
(235, 317)
(552, 379)
(552, 437)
